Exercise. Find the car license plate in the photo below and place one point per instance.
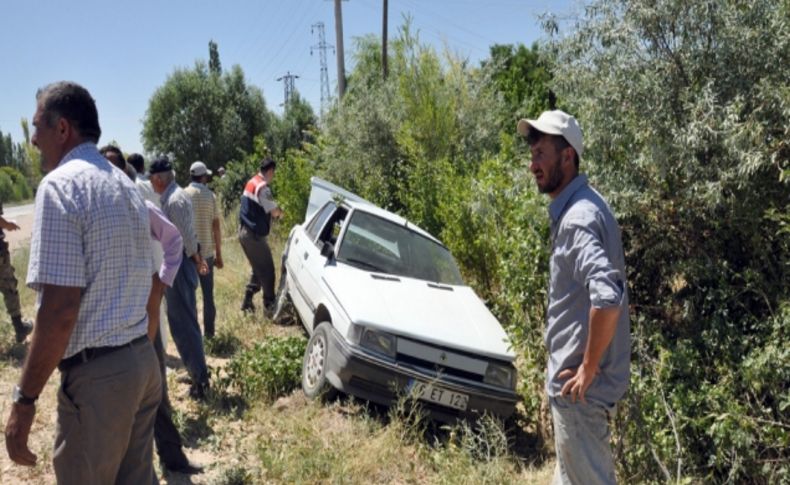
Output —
(428, 392)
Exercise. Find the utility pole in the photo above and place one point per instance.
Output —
(288, 83)
(341, 65)
(384, 41)
(322, 48)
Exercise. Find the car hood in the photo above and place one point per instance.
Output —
(451, 316)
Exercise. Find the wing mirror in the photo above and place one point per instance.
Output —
(328, 250)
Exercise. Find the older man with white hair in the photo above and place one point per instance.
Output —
(181, 303)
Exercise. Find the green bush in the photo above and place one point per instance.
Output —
(13, 185)
(267, 370)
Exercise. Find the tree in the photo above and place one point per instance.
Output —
(686, 108)
(522, 75)
(294, 127)
(213, 58)
(199, 114)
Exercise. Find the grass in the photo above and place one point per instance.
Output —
(282, 437)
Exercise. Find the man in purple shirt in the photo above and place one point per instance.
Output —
(166, 236)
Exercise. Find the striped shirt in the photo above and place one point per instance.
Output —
(178, 208)
(206, 210)
(91, 231)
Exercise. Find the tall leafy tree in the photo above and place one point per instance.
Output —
(214, 64)
(522, 75)
(200, 114)
(295, 127)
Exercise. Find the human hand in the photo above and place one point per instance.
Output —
(218, 262)
(8, 225)
(579, 380)
(17, 430)
(202, 267)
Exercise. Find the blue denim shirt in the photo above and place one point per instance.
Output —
(587, 269)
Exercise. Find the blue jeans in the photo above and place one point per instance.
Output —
(207, 288)
(182, 318)
(581, 439)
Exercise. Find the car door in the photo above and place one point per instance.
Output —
(314, 263)
(303, 249)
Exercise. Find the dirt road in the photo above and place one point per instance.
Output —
(23, 216)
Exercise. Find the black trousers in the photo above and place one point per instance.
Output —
(260, 257)
(168, 441)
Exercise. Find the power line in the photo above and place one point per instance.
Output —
(322, 47)
(288, 83)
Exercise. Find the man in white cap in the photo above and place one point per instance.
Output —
(207, 226)
(588, 330)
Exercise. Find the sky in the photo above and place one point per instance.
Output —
(123, 51)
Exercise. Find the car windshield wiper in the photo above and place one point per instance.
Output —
(364, 263)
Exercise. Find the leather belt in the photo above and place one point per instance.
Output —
(86, 355)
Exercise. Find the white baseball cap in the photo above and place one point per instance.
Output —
(199, 168)
(555, 123)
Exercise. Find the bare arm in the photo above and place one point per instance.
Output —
(603, 323)
(152, 307)
(7, 225)
(216, 232)
(55, 322)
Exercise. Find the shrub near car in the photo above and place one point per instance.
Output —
(388, 313)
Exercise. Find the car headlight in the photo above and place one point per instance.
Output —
(500, 375)
(380, 342)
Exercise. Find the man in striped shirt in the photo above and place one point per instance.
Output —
(209, 234)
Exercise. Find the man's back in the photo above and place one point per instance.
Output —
(91, 231)
(204, 208)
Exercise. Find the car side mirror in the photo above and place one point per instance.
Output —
(328, 250)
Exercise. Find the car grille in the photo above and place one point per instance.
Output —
(433, 369)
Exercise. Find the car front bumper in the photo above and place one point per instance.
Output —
(361, 374)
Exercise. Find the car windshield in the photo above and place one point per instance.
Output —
(378, 245)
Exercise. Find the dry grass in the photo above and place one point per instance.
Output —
(291, 440)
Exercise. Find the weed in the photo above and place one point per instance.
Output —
(266, 371)
(223, 344)
(237, 475)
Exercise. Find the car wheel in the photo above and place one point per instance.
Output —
(314, 381)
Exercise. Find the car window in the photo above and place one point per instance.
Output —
(332, 228)
(318, 220)
(378, 245)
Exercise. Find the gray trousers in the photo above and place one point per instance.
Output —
(581, 439)
(105, 422)
(260, 257)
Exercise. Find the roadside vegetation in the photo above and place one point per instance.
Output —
(685, 108)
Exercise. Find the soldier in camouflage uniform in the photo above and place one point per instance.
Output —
(8, 282)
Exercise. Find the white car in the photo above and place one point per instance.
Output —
(388, 313)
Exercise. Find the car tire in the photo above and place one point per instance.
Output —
(314, 382)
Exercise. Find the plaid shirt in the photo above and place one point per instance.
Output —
(91, 231)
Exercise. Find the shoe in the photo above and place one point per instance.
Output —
(247, 305)
(268, 310)
(186, 468)
(184, 379)
(23, 328)
(198, 392)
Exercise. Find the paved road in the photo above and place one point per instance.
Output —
(23, 215)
